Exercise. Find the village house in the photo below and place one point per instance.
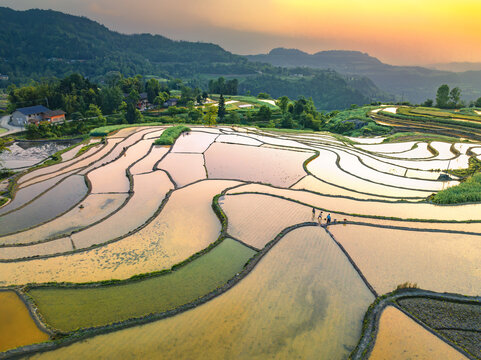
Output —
(35, 115)
(171, 102)
(143, 102)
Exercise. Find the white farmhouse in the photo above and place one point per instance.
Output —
(24, 116)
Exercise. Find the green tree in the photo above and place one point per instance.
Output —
(287, 122)
(264, 113)
(96, 115)
(111, 99)
(428, 103)
(195, 115)
(152, 87)
(263, 95)
(134, 97)
(477, 103)
(233, 118)
(210, 116)
(455, 97)
(442, 96)
(221, 108)
(283, 102)
(133, 114)
(161, 98)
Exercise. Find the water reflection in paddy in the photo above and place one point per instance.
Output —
(56, 168)
(147, 164)
(402, 210)
(303, 300)
(310, 183)
(90, 210)
(272, 166)
(24, 195)
(113, 177)
(440, 262)
(17, 328)
(388, 148)
(401, 338)
(149, 192)
(257, 219)
(238, 139)
(186, 225)
(184, 168)
(325, 167)
(49, 205)
(193, 142)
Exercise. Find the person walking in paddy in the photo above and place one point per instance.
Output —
(328, 219)
(313, 213)
(319, 218)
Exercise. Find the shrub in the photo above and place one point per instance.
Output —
(467, 191)
(171, 134)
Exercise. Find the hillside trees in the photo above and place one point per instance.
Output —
(446, 98)
(221, 86)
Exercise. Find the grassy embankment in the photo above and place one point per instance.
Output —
(469, 190)
(169, 135)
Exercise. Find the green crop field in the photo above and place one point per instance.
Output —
(71, 308)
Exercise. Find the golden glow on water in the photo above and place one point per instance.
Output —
(302, 301)
(17, 328)
(259, 164)
(186, 225)
(401, 338)
(435, 261)
(257, 219)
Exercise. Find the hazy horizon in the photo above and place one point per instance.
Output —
(398, 33)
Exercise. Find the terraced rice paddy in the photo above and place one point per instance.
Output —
(402, 338)
(247, 163)
(303, 300)
(53, 203)
(17, 327)
(71, 308)
(441, 262)
(211, 248)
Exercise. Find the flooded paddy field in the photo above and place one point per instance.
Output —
(17, 328)
(71, 308)
(284, 309)
(441, 262)
(401, 338)
(215, 248)
(24, 154)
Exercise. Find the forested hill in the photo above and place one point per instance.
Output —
(27, 37)
(412, 83)
(39, 44)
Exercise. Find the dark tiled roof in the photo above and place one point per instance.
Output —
(54, 113)
(38, 109)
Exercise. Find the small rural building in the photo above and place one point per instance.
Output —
(4, 77)
(143, 102)
(23, 116)
(171, 102)
(54, 116)
(35, 115)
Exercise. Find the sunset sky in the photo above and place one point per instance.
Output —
(397, 32)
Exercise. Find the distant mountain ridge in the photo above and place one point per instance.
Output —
(413, 83)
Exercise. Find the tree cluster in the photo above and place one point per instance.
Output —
(221, 86)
